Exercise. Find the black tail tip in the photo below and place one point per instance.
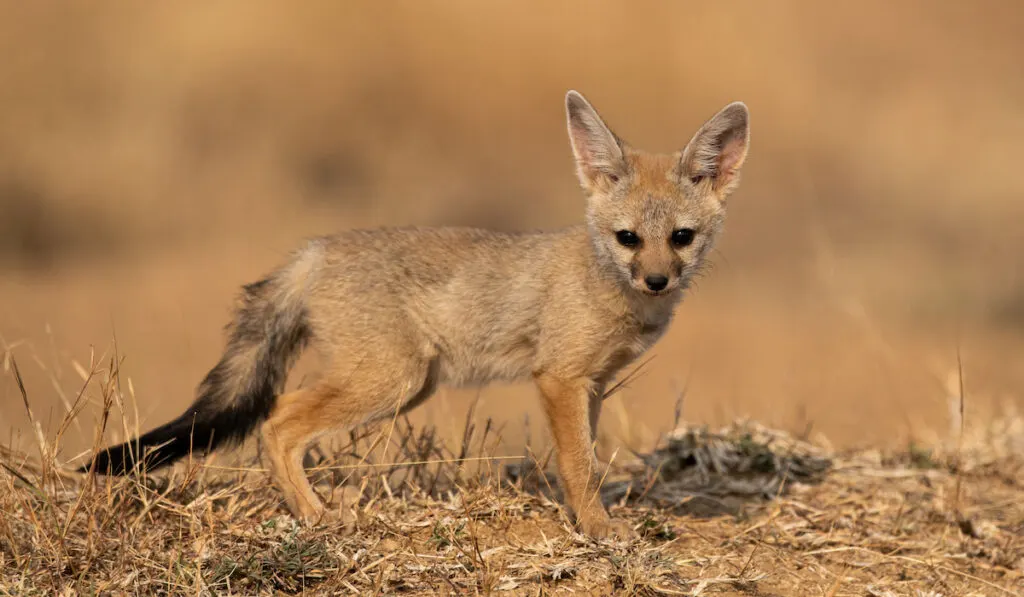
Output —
(120, 461)
(107, 463)
(127, 458)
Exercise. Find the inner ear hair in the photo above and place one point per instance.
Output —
(718, 149)
(598, 151)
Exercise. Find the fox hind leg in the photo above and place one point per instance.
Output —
(292, 426)
(301, 416)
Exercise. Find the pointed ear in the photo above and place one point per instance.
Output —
(599, 159)
(718, 150)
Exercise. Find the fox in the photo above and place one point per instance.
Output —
(395, 312)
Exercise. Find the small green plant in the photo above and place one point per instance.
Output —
(655, 527)
(445, 534)
(921, 457)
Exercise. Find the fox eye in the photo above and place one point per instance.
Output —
(614, 178)
(696, 179)
(683, 237)
(627, 238)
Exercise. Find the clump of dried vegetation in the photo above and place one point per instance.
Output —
(743, 510)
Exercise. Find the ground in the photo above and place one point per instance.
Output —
(744, 510)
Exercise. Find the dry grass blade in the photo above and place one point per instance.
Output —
(626, 379)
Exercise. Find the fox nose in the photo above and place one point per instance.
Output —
(656, 282)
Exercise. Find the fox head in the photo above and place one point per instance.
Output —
(653, 218)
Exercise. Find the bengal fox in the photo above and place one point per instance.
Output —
(394, 312)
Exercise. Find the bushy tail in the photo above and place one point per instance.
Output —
(267, 334)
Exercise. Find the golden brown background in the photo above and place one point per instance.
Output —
(156, 156)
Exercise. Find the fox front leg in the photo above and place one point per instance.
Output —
(567, 405)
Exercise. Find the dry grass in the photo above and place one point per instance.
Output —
(741, 511)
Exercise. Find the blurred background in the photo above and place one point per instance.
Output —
(156, 156)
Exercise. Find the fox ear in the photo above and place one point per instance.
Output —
(717, 151)
(599, 160)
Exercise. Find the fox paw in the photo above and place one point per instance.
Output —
(607, 528)
(342, 519)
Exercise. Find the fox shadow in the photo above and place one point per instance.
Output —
(698, 473)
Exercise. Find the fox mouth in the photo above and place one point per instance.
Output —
(655, 293)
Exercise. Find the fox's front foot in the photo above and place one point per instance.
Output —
(342, 518)
(600, 526)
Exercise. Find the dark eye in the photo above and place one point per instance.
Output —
(682, 237)
(627, 238)
(614, 178)
(696, 179)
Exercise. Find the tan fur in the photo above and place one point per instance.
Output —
(393, 313)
